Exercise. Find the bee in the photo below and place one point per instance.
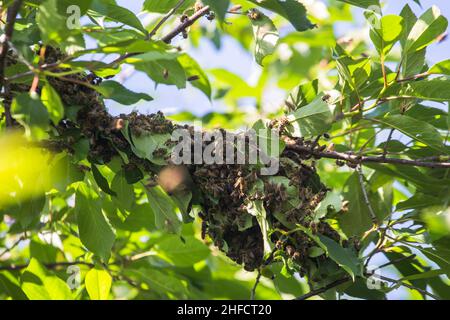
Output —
(314, 227)
(119, 124)
(254, 14)
(184, 18)
(241, 184)
(296, 256)
(326, 97)
(290, 250)
(166, 74)
(330, 147)
(193, 78)
(279, 245)
(211, 16)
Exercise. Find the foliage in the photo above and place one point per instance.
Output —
(91, 208)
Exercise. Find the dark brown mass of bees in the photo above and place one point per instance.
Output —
(223, 191)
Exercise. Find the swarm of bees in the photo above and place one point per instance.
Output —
(223, 191)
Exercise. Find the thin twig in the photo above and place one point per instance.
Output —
(415, 77)
(15, 244)
(407, 285)
(258, 278)
(412, 256)
(318, 291)
(165, 18)
(169, 37)
(366, 196)
(354, 159)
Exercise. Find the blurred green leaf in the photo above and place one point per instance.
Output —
(98, 284)
(92, 222)
(39, 284)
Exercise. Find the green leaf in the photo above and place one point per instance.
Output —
(303, 95)
(10, 286)
(158, 281)
(124, 192)
(357, 219)
(437, 89)
(220, 7)
(182, 199)
(266, 36)
(292, 10)
(332, 202)
(385, 32)
(164, 209)
(51, 22)
(442, 67)
(311, 120)
(182, 253)
(116, 13)
(363, 3)
(409, 20)
(166, 71)
(94, 228)
(425, 31)
(194, 71)
(98, 284)
(101, 181)
(30, 112)
(415, 129)
(164, 6)
(256, 209)
(146, 144)
(50, 98)
(39, 284)
(43, 252)
(355, 72)
(440, 255)
(344, 257)
(268, 139)
(418, 201)
(115, 91)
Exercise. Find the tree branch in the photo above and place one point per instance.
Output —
(359, 160)
(318, 291)
(165, 18)
(12, 12)
(169, 37)
(415, 77)
(186, 24)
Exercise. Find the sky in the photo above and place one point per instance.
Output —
(170, 100)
